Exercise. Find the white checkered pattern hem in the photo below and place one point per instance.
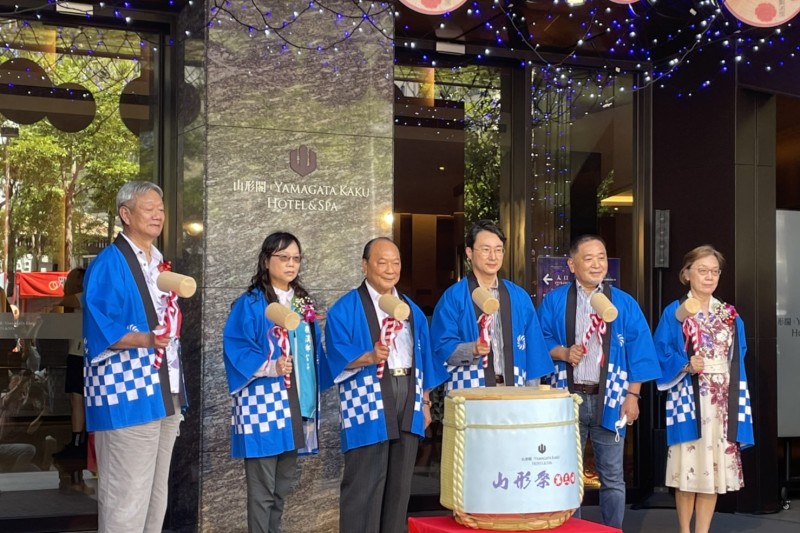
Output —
(359, 402)
(465, 377)
(745, 410)
(680, 406)
(120, 378)
(260, 409)
(417, 389)
(616, 384)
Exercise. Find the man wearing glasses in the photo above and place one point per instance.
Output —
(510, 349)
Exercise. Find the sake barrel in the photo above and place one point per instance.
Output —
(511, 457)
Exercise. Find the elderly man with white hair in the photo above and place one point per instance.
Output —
(132, 374)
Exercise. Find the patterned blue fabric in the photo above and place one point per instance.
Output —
(361, 405)
(120, 379)
(616, 386)
(745, 414)
(680, 406)
(466, 377)
(262, 409)
(261, 421)
(682, 410)
(121, 387)
(632, 357)
(360, 401)
(454, 322)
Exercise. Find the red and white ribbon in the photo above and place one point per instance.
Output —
(485, 333)
(390, 327)
(691, 332)
(171, 327)
(283, 343)
(596, 325)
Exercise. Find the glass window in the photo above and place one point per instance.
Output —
(77, 106)
(451, 144)
(583, 157)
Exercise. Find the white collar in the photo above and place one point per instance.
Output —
(374, 294)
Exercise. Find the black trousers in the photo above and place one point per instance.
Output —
(376, 484)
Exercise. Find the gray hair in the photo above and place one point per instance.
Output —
(132, 189)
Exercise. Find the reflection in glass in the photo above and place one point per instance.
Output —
(582, 160)
(448, 153)
(78, 107)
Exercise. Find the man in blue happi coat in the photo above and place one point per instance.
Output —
(604, 363)
(133, 402)
(382, 419)
(516, 353)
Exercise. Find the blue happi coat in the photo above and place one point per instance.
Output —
(455, 322)
(261, 415)
(631, 356)
(122, 388)
(347, 337)
(683, 410)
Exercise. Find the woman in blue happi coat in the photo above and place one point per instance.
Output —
(271, 423)
(709, 418)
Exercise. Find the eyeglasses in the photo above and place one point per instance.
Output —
(703, 272)
(284, 258)
(484, 251)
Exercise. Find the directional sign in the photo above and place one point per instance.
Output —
(554, 272)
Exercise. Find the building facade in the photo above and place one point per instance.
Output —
(341, 121)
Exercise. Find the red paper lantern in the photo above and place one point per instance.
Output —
(433, 7)
(763, 13)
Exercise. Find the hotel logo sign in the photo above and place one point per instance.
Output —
(284, 192)
(303, 161)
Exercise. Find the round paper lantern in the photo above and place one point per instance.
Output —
(763, 13)
(24, 89)
(134, 106)
(75, 106)
(433, 7)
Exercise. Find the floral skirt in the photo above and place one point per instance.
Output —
(710, 464)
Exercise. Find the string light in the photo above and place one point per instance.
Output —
(662, 36)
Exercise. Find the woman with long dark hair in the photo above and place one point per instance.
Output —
(271, 422)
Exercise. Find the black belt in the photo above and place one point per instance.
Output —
(586, 388)
(399, 372)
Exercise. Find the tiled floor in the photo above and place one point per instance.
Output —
(665, 521)
(653, 520)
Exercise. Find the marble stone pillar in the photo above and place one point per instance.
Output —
(298, 137)
(189, 82)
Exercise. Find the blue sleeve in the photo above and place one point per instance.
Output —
(550, 319)
(324, 379)
(244, 347)
(669, 343)
(433, 372)
(538, 356)
(343, 344)
(742, 338)
(105, 320)
(639, 348)
(445, 325)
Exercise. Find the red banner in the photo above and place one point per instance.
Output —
(40, 284)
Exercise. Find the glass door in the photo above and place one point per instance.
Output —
(78, 107)
(451, 150)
